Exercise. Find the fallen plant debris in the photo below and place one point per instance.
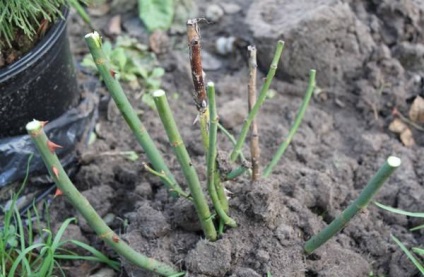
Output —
(416, 112)
(398, 126)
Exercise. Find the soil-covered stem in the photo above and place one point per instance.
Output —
(254, 135)
(211, 158)
(187, 167)
(236, 172)
(261, 99)
(155, 158)
(359, 204)
(58, 174)
(283, 146)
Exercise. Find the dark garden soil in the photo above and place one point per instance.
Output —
(369, 58)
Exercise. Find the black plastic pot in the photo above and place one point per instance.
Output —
(41, 85)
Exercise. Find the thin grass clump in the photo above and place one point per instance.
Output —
(412, 255)
(24, 254)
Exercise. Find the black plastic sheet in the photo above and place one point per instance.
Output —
(71, 130)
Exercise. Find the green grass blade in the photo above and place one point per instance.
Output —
(20, 228)
(113, 264)
(418, 251)
(21, 257)
(399, 211)
(411, 256)
(97, 254)
(293, 129)
(60, 232)
(178, 275)
(419, 227)
(25, 264)
(57, 264)
(47, 263)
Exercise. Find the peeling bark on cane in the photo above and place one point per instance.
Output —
(198, 75)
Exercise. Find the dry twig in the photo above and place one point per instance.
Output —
(254, 136)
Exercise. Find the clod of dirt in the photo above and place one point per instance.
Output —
(211, 259)
(125, 176)
(344, 262)
(400, 20)
(336, 49)
(150, 222)
(262, 202)
(183, 215)
(144, 189)
(245, 272)
(233, 113)
(410, 55)
(92, 176)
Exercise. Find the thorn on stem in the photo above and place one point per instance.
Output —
(43, 123)
(53, 146)
(57, 193)
(55, 172)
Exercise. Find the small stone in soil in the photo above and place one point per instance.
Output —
(214, 12)
(230, 8)
(104, 272)
(233, 113)
(210, 62)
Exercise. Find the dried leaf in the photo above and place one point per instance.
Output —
(406, 138)
(397, 126)
(114, 27)
(159, 42)
(416, 112)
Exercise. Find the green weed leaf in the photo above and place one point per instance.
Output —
(156, 14)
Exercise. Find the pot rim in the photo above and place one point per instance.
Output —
(37, 52)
